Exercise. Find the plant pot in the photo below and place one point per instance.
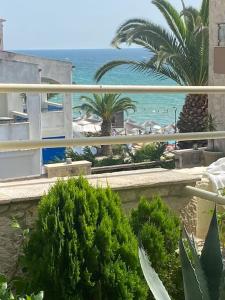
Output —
(211, 156)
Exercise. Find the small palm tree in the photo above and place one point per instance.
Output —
(179, 53)
(105, 106)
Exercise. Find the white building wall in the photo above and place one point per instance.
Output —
(20, 163)
(14, 103)
(56, 70)
(216, 102)
(3, 105)
(52, 124)
(14, 131)
(17, 68)
(14, 164)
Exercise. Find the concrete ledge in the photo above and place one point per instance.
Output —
(26, 190)
(188, 158)
(82, 167)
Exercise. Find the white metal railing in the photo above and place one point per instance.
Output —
(95, 141)
(55, 88)
(140, 89)
(210, 196)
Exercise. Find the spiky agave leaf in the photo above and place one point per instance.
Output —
(222, 286)
(192, 289)
(155, 284)
(211, 258)
(202, 280)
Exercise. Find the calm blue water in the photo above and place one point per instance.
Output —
(156, 107)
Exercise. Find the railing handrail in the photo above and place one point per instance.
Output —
(108, 140)
(69, 88)
(207, 195)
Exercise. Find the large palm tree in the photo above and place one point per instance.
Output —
(179, 52)
(106, 106)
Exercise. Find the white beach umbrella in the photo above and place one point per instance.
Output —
(156, 127)
(135, 130)
(129, 125)
(149, 123)
(93, 119)
(84, 126)
(169, 129)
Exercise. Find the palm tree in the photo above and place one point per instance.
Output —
(105, 106)
(179, 53)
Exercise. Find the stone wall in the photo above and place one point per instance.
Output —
(11, 238)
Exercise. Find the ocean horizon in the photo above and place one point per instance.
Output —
(156, 107)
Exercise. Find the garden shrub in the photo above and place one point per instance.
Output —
(109, 161)
(87, 155)
(149, 152)
(158, 229)
(7, 294)
(83, 246)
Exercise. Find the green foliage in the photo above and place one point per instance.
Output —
(158, 229)
(109, 161)
(6, 293)
(210, 124)
(178, 51)
(205, 272)
(122, 155)
(155, 284)
(119, 149)
(221, 226)
(106, 105)
(83, 246)
(168, 164)
(203, 276)
(221, 223)
(149, 152)
(87, 155)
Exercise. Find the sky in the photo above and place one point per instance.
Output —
(71, 24)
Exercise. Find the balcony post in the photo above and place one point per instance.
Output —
(68, 116)
(34, 115)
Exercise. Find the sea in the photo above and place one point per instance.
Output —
(159, 108)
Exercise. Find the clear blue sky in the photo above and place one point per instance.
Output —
(71, 24)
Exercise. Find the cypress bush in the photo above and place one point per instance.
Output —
(159, 231)
(83, 246)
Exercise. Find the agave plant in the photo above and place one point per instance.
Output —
(203, 275)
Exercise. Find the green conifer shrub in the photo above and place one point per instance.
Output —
(158, 228)
(83, 246)
(7, 294)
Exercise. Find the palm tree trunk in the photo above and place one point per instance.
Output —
(193, 117)
(106, 128)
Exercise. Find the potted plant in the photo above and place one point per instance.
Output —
(211, 153)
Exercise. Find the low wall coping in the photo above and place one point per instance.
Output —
(64, 164)
(68, 169)
(33, 189)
